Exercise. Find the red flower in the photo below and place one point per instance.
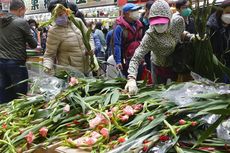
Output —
(207, 148)
(150, 118)
(4, 125)
(69, 125)
(76, 122)
(121, 140)
(30, 137)
(145, 148)
(164, 138)
(43, 131)
(145, 141)
(104, 132)
(182, 122)
(194, 123)
(90, 141)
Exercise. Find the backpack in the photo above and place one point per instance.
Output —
(131, 46)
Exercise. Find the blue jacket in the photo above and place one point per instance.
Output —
(108, 41)
(97, 43)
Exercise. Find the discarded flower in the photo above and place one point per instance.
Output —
(121, 140)
(66, 108)
(145, 148)
(182, 122)
(43, 131)
(194, 123)
(90, 141)
(30, 137)
(137, 107)
(150, 118)
(164, 138)
(124, 118)
(73, 81)
(76, 122)
(97, 120)
(104, 132)
(95, 134)
(128, 110)
(4, 125)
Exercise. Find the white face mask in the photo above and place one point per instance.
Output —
(225, 18)
(161, 28)
(134, 15)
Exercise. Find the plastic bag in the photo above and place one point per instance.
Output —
(223, 130)
(49, 85)
(184, 93)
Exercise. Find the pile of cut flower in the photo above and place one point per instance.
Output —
(97, 113)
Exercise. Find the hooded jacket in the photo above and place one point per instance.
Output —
(220, 38)
(161, 45)
(14, 35)
(65, 45)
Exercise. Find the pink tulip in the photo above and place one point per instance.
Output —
(80, 141)
(109, 113)
(128, 110)
(95, 134)
(104, 132)
(4, 125)
(114, 109)
(66, 108)
(73, 81)
(137, 107)
(90, 141)
(124, 118)
(30, 137)
(43, 131)
(97, 120)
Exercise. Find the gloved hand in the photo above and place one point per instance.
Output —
(131, 86)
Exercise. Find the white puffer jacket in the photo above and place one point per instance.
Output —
(65, 46)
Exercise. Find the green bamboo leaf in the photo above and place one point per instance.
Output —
(108, 99)
(115, 96)
(87, 88)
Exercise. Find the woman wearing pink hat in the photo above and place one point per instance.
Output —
(164, 33)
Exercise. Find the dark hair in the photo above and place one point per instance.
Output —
(31, 21)
(52, 4)
(80, 15)
(180, 3)
(16, 4)
(73, 7)
(98, 25)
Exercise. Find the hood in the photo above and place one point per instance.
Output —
(213, 22)
(160, 8)
(121, 21)
(5, 19)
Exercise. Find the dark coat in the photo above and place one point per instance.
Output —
(220, 39)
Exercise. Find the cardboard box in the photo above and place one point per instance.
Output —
(72, 150)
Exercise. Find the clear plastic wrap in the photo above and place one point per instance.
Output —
(223, 130)
(183, 94)
(48, 84)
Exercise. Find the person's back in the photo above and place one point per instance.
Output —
(15, 35)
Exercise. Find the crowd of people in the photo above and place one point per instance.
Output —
(138, 46)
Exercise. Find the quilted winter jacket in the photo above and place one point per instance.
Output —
(161, 45)
(65, 46)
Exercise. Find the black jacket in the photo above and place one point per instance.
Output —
(15, 34)
(220, 39)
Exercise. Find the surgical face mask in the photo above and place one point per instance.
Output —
(134, 15)
(161, 28)
(62, 20)
(225, 18)
(186, 12)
